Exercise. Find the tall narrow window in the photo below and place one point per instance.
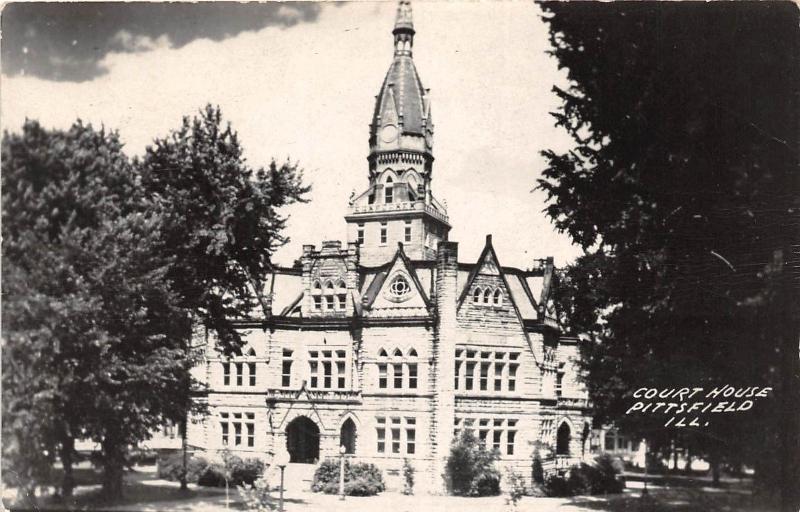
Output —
(381, 432)
(237, 429)
(382, 378)
(388, 191)
(251, 373)
(342, 301)
(411, 435)
(512, 377)
(226, 374)
(476, 295)
(326, 366)
(497, 435)
(469, 375)
(457, 370)
(341, 294)
(395, 435)
(239, 373)
(498, 297)
(286, 369)
(313, 367)
(398, 375)
(317, 302)
(484, 383)
(360, 233)
(383, 233)
(559, 383)
(510, 436)
(224, 427)
(340, 377)
(412, 375)
(316, 293)
(251, 429)
(408, 231)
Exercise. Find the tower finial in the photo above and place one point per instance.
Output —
(403, 29)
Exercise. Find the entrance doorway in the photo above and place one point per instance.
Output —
(347, 437)
(302, 441)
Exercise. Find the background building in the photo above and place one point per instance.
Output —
(388, 345)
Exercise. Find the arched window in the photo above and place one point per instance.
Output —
(398, 353)
(563, 438)
(388, 191)
(347, 436)
(476, 296)
(330, 303)
(487, 295)
(316, 294)
(413, 372)
(251, 353)
(498, 297)
(382, 353)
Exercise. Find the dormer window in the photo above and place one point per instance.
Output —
(316, 294)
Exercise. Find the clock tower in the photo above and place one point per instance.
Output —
(398, 206)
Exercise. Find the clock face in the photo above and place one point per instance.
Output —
(389, 133)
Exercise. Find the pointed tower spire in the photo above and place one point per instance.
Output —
(403, 29)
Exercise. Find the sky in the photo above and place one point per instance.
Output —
(298, 81)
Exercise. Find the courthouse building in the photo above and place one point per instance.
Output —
(387, 344)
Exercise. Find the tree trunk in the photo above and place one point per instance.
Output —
(715, 469)
(66, 454)
(184, 468)
(113, 469)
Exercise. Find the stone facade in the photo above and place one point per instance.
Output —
(389, 345)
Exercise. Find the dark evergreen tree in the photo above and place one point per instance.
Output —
(682, 188)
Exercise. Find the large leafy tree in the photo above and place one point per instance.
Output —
(222, 218)
(682, 189)
(89, 318)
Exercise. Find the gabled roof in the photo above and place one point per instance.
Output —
(377, 283)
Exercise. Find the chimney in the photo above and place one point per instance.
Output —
(442, 371)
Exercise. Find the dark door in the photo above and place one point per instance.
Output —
(302, 441)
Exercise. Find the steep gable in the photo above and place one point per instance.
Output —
(487, 298)
(396, 291)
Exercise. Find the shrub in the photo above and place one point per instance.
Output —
(556, 487)
(470, 468)
(246, 471)
(257, 496)
(212, 475)
(516, 488)
(408, 477)
(606, 475)
(360, 479)
(169, 467)
(537, 470)
(599, 478)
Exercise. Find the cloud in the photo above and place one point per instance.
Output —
(68, 41)
(139, 43)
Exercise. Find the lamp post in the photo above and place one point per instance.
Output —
(281, 460)
(342, 451)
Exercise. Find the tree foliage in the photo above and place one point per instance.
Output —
(107, 263)
(682, 189)
(222, 217)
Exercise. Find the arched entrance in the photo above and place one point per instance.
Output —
(562, 439)
(347, 437)
(302, 440)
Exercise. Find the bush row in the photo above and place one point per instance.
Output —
(210, 473)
